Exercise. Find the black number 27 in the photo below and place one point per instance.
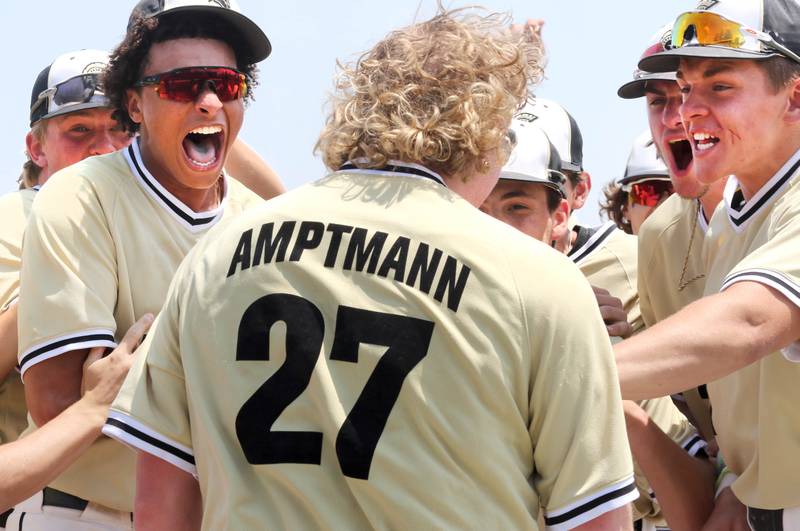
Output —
(407, 339)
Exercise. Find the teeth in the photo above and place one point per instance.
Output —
(704, 146)
(675, 141)
(204, 164)
(207, 130)
(702, 136)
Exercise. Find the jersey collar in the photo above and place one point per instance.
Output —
(741, 212)
(394, 167)
(578, 254)
(191, 220)
(702, 221)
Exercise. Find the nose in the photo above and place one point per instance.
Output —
(671, 117)
(692, 107)
(208, 102)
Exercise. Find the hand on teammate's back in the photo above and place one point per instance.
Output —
(103, 376)
(614, 315)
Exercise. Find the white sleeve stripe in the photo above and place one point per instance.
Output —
(147, 431)
(693, 444)
(591, 507)
(63, 344)
(138, 444)
(769, 278)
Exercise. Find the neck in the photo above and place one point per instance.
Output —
(198, 199)
(752, 182)
(711, 197)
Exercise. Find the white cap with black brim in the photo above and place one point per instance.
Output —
(534, 158)
(636, 88)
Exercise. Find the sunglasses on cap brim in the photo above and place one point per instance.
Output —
(186, 84)
(73, 91)
(705, 28)
(648, 193)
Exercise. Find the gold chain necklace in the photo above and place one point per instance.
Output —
(683, 283)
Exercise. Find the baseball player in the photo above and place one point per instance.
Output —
(738, 67)
(527, 197)
(385, 358)
(106, 235)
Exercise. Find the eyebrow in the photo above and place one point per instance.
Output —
(717, 68)
(514, 193)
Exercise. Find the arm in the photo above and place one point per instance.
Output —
(617, 520)
(707, 340)
(729, 514)
(247, 167)
(53, 385)
(8, 341)
(29, 465)
(684, 484)
(166, 496)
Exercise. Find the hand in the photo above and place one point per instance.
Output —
(729, 514)
(103, 376)
(614, 315)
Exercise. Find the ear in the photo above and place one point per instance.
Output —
(560, 217)
(35, 149)
(582, 190)
(793, 109)
(133, 102)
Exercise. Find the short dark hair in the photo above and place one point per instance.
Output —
(780, 71)
(553, 199)
(614, 205)
(128, 60)
(573, 176)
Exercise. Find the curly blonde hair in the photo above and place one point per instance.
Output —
(440, 93)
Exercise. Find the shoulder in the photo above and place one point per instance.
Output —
(669, 214)
(239, 196)
(100, 175)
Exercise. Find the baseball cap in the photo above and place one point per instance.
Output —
(635, 88)
(534, 158)
(258, 45)
(560, 127)
(70, 83)
(732, 29)
(644, 162)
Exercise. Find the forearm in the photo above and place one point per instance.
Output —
(705, 341)
(684, 485)
(8, 341)
(166, 497)
(247, 167)
(31, 463)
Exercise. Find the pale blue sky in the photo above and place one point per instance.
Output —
(592, 48)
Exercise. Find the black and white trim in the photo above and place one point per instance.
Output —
(739, 217)
(191, 220)
(406, 169)
(775, 280)
(589, 507)
(127, 430)
(592, 244)
(702, 221)
(693, 444)
(95, 337)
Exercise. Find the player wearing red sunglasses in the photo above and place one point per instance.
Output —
(106, 236)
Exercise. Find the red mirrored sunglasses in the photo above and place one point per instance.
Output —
(649, 193)
(186, 84)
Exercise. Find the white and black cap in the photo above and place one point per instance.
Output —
(636, 88)
(258, 45)
(561, 129)
(779, 20)
(533, 158)
(70, 83)
(644, 162)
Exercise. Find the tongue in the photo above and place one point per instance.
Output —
(200, 148)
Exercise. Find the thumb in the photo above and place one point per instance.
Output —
(136, 332)
(95, 354)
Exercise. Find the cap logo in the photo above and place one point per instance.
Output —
(527, 117)
(707, 4)
(94, 68)
(221, 3)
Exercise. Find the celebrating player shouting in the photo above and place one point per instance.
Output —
(107, 234)
(369, 351)
(739, 70)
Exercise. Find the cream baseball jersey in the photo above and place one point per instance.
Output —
(103, 242)
(755, 408)
(373, 351)
(672, 275)
(14, 210)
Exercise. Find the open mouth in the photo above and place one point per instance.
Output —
(681, 150)
(203, 146)
(704, 141)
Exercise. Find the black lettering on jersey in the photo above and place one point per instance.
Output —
(449, 283)
(396, 259)
(267, 246)
(336, 231)
(424, 269)
(241, 256)
(359, 250)
(308, 237)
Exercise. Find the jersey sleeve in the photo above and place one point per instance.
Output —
(13, 216)
(645, 253)
(151, 412)
(583, 464)
(775, 264)
(68, 281)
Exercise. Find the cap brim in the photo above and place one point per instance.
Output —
(648, 176)
(257, 41)
(636, 88)
(668, 61)
(67, 109)
(523, 177)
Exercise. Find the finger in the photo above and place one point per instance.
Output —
(621, 329)
(135, 333)
(95, 354)
(610, 314)
(600, 291)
